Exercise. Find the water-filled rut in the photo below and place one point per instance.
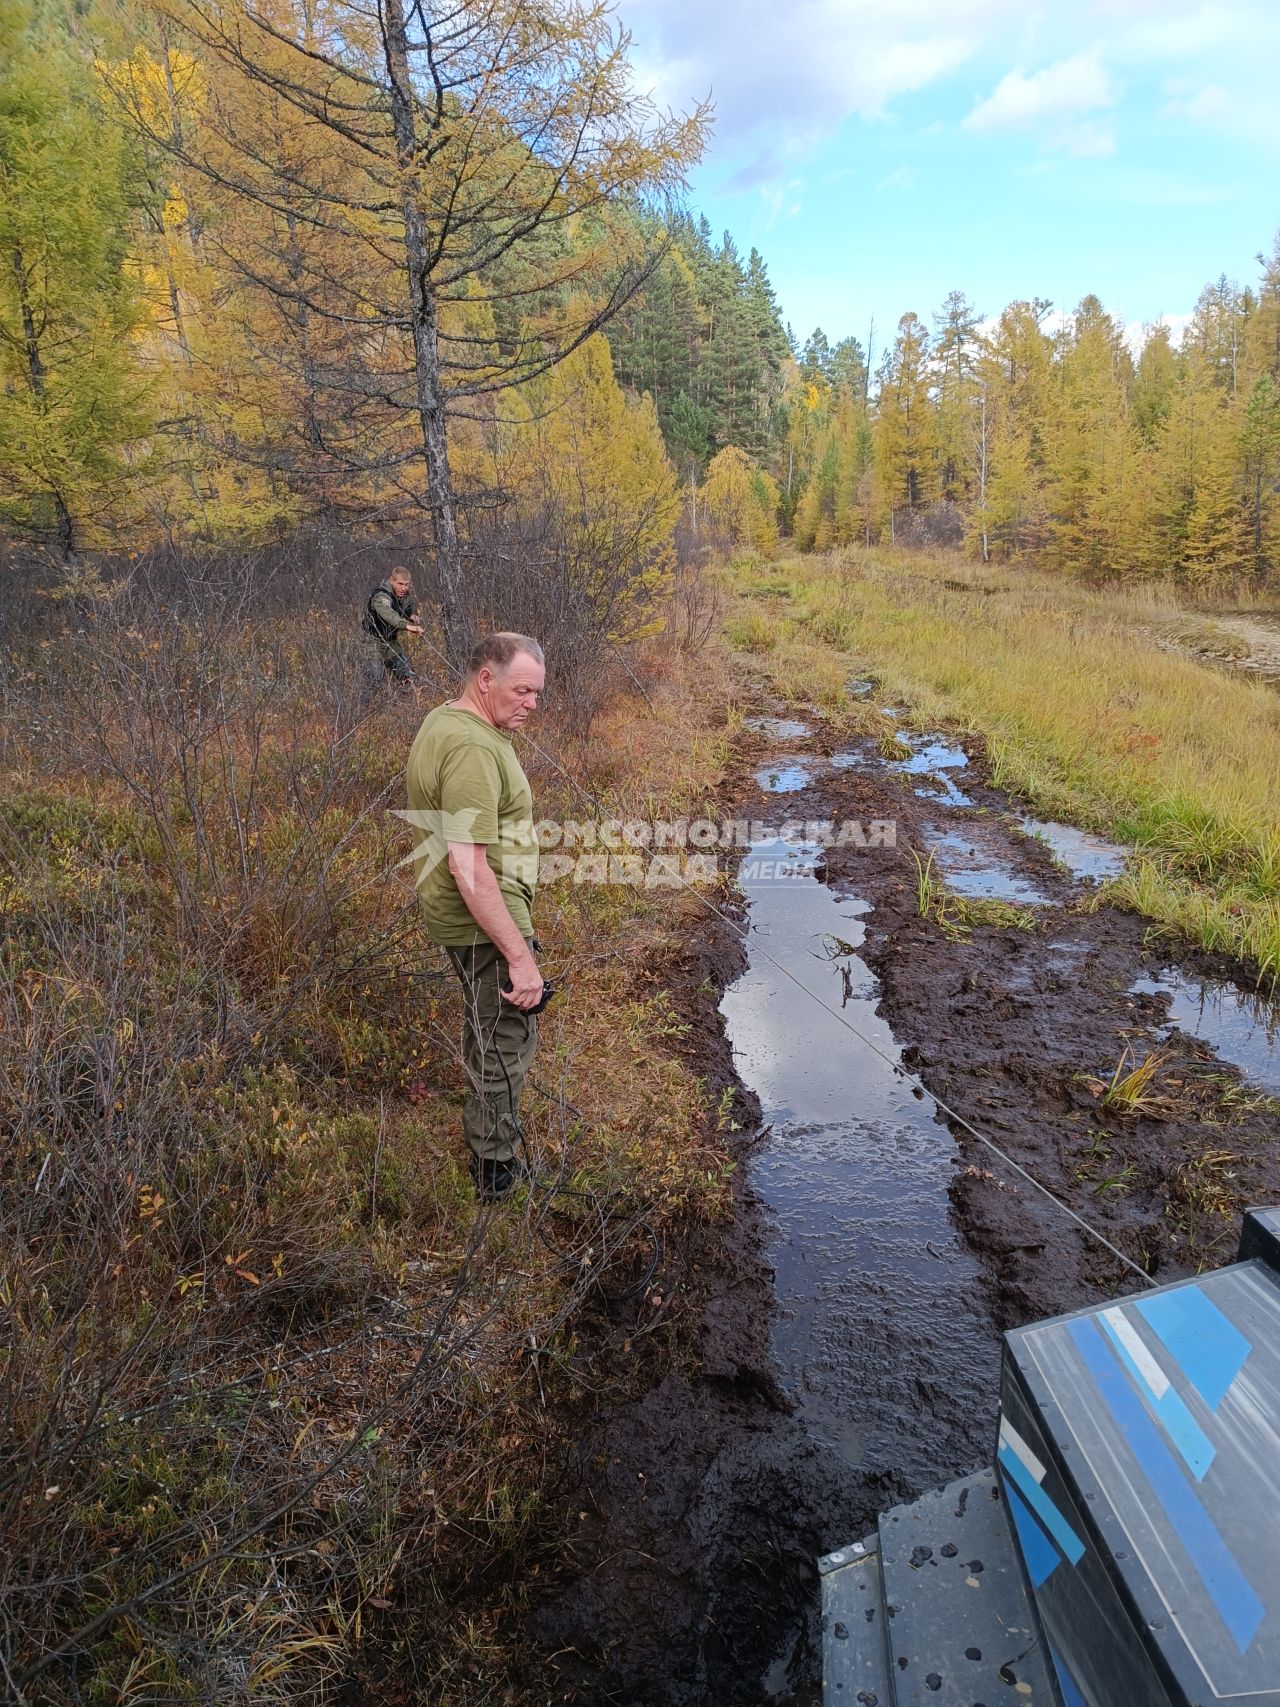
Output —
(881, 1314)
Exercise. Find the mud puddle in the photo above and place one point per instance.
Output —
(880, 1315)
(784, 776)
(930, 763)
(1242, 1027)
(1082, 853)
(777, 728)
(977, 870)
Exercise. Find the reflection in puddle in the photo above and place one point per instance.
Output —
(976, 872)
(780, 728)
(1240, 1026)
(783, 777)
(881, 1318)
(1083, 853)
(944, 792)
(931, 760)
(931, 755)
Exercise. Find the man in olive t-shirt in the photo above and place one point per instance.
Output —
(477, 868)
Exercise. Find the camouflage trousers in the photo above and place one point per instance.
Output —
(394, 662)
(498, 1046)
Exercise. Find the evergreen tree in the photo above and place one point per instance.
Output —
(955, 353)
(76, 402)
(1261, 445)
(906, 444)
(1091, 452)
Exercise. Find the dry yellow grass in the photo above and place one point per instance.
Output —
(1081, 708)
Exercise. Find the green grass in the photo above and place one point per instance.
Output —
(1080, 709)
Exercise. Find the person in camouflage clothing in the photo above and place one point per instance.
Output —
(391, 613)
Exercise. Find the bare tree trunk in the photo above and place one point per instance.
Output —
(64, 527)
(426, 340)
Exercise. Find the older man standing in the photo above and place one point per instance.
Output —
(477, 868)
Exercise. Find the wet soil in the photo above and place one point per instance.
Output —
(841, 1336)
(1245, 641)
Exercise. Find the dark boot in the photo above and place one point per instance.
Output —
(496, 1180)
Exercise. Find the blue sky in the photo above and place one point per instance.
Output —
(883, 154)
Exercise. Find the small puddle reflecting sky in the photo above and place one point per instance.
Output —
(1083, 853)
(779, 728)
(885, 1344)
(977, 872)
(1239, 1026)
(784, 777)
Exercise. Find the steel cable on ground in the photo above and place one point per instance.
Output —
(913, 1079)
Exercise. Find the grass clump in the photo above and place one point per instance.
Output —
(957, 916)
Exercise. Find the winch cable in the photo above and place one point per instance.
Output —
(904, 1073)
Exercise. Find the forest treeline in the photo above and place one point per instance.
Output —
(1019, 439)
(270, 268)
(1028, 435)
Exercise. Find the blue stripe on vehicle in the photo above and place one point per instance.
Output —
(1195, 1447)
(1208, 1348)
(1229, 1589)
(1067, 1685)
(1061, 1531)
(1042, 1558)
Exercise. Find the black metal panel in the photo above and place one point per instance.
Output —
(1260, 1236)
(1097, 1654)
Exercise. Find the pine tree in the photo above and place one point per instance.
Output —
(1154, 384)
(1261, 445)
(955, 352)
(1014, 380)
(1197, 512)
(1093, 445)
(907, 471)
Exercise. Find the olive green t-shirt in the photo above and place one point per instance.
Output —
(466, 781)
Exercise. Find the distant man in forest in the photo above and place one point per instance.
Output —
(477, 868)
(391, 613)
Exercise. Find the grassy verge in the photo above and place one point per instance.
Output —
(271, 1381)
(1081, 709)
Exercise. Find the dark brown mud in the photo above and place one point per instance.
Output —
(842, 1334)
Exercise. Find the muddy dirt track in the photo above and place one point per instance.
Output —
(847, 1324)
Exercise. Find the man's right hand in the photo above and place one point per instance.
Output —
(525, 989)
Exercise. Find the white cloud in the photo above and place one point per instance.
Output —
(1091, 139)
(1137, 332)
(1244, 113)
(784, 83)
(901, 178)
(798, 77)
(1058, 92)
